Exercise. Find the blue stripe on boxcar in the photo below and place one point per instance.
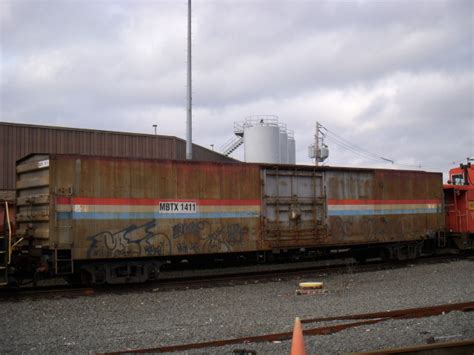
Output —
(152, 215)
(381, 212)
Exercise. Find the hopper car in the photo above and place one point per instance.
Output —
(118, 220)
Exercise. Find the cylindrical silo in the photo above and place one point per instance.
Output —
(283, 144)
(262, 140)
(291, 148)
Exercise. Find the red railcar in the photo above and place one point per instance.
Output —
(459, 204)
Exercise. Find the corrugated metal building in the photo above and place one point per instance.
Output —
(18, 140)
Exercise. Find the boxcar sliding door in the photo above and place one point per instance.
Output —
(293, 206)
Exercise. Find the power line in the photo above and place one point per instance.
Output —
(348, 148)
(358, 148)
(355, 149)
(364, 153)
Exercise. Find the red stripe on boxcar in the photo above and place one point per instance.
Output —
(382, 202)
(149, 201)
(229, 202)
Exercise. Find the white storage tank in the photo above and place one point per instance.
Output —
(262, 139)
(283, 144)
(291, 148)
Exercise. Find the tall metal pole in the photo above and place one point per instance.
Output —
(316, 144)
(189, 123)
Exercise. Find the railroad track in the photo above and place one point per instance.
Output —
(278, 275)
(354, 320)
(219, 280)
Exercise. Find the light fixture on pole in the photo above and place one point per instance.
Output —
(154, 126)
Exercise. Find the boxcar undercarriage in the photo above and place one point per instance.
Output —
(144, 270)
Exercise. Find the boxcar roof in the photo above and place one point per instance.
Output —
(283, 166)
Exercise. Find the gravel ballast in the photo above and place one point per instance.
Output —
(152, 319)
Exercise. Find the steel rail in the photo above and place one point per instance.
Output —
(364, 319)
(453, 347)
(229, 279)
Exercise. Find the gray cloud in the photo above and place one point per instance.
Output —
(394, 77)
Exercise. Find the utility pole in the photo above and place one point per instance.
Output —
(189, 123)
(319, 151)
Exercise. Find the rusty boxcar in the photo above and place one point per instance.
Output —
(117, 219)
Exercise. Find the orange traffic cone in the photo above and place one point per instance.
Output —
(297, 343)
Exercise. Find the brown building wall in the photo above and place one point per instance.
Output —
(19, 140)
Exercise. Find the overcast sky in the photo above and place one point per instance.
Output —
(392, 77)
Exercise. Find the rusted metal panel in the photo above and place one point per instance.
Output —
(19, 140)
(294, 206)
(383, 206)
(37, 199)
(36, 181)
(122, 208)
(307, 207)
(33, 199)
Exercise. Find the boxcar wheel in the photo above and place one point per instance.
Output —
(360, 256)
(86, 278)
(385, 254)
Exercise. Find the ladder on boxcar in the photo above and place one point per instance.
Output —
(5, 246)
(63, 262)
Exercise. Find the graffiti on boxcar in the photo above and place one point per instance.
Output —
(341, 227)
(187, 248)
(224, 238)
(380, 228)
(203, 237)
(191, 228)
(134, 240)
(186, 238)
